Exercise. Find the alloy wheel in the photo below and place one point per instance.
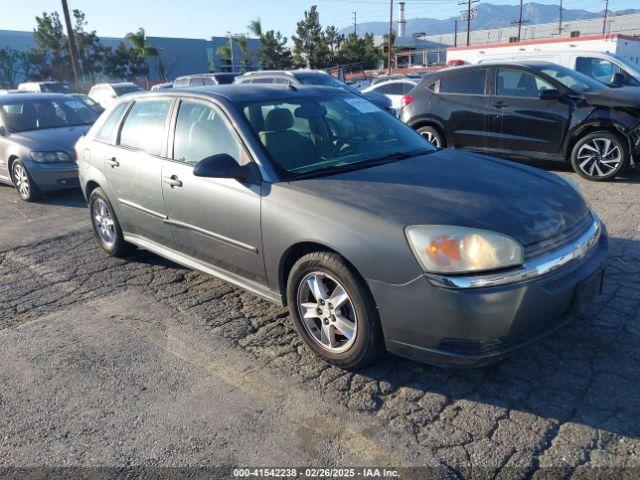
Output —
(327, 312)
(431, 138)
(21, 180)
(599, 157)
(103, 222)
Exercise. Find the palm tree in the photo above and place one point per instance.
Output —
(255, 27)
(141, 51)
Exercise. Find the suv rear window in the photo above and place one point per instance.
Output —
(467, 82)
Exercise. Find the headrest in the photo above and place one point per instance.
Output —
(278, 119)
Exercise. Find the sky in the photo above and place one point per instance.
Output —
(206, 18)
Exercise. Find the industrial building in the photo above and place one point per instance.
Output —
(181, 56)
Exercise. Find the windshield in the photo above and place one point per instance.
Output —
(122, 89)
(20, 116)
(576, 81)
(313, 134)
(55, 88)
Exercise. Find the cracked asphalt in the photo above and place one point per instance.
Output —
(138, 361)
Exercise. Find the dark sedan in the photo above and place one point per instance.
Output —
(316, 199)
(532, 110)
(37, 135)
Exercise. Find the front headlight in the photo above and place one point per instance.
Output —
(50, 157)
(450, 249)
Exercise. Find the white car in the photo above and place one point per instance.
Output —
(393, 89)
(106, 93)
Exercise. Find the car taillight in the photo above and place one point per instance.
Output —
(406, 100)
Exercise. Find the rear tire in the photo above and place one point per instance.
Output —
(333, 311)
(433, 136)
(600, 156)
(26, 188)
(106, 226)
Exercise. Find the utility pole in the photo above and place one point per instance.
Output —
(390, 35)
(519, 22)
(455, 33)
(355, 22)
(606, 14)
(560, 20)
(468, 15)
(73, 49)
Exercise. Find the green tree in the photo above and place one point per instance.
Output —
(273, 52)
(140, 53)
(52, 49)
(309, 44)
(118, 63)
(363, 50)
(334, 41)
(91, 53)
(10, 67)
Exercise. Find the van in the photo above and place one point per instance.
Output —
(605, 67)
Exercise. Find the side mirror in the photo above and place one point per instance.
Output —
(221, 165)
(551, 94)
(618, 79)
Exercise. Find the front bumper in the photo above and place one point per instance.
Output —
(53, 176)
(475, 326)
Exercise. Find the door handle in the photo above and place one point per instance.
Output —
(172, 181)
(113, 162)
(499, 104)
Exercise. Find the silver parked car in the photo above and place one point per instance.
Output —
(106, 93)
(37, 134)
(314, 198)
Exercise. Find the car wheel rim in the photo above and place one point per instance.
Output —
(599, 157)
(327, 312)
(103, 222)
(431, 138)
(21, 181)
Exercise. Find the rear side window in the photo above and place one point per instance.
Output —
(143, 128)
(105, 134)
(391, 89)
(467, 82)
(263, 80)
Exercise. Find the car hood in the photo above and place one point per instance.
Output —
(378, 99)
(51, 138)
(624, 97)
(451, 187)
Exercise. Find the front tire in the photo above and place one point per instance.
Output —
(433, 136)
(333, 311)
(600, 156)
(24, 184)
(106, 226)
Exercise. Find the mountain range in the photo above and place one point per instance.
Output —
(488, 16)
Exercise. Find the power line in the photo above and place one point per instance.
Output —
(468, 15)
(519, 22)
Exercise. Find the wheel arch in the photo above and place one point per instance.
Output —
(611, 127)
(298, 250)
(431, 122)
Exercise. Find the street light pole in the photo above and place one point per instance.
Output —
(231, 52)
(390, 35)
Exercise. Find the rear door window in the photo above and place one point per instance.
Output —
(465, 82)
(143, 129)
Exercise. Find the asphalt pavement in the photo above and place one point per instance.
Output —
(140, 362)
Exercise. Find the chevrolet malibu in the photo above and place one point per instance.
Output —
(37, 135)
(314, 198)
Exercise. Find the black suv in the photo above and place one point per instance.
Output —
(313, 77)
(529, 110)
